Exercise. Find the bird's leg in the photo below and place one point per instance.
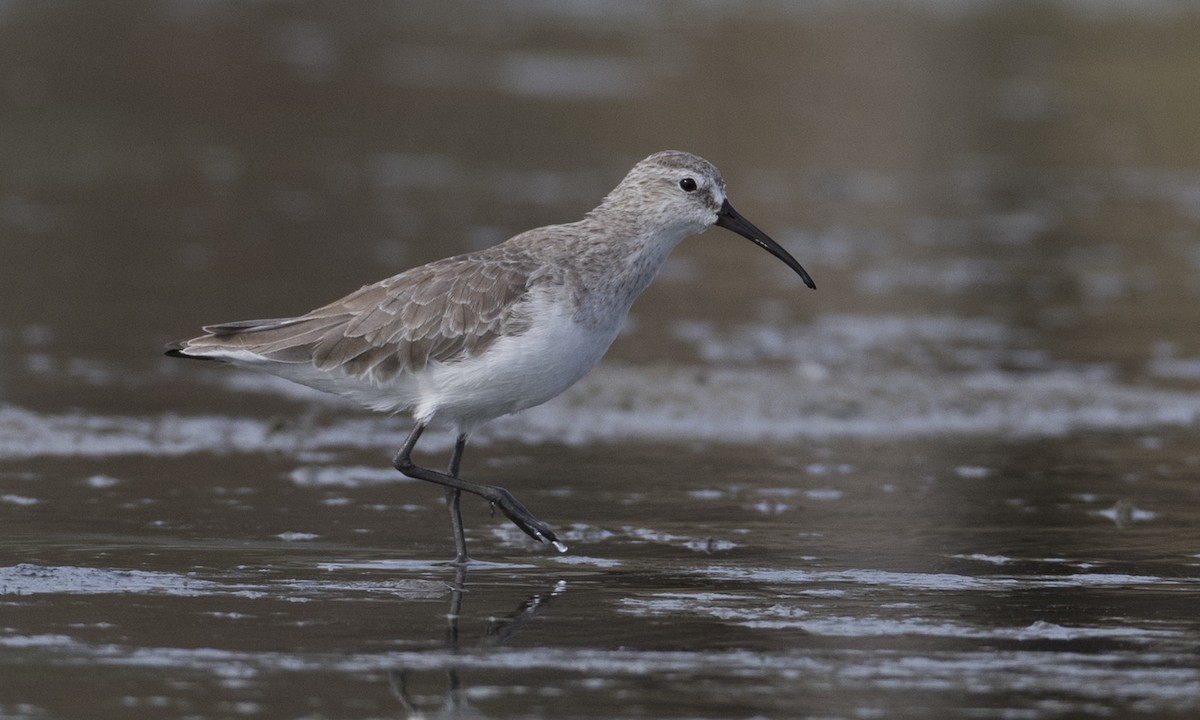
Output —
(497, 496)
(453, 496)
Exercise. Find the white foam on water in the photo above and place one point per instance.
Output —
(873, 626)
(583, 560)
(703, 545)
(102, 481)
(346, 477)
(777, 405)
(1124, 512)
(825, 494)
(28, 579)
(1175, 368)
(775, 612)
(935, 582)
(863, 577)
(983, 557)
(22, 500)
(856, 377)
(295, 536)
(584, 533)
(80, 434)
(416, 565)
(1163, 681)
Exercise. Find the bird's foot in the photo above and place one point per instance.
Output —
(522, 518)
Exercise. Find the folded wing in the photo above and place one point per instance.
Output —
(447, 310)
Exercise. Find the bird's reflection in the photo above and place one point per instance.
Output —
(499, 631)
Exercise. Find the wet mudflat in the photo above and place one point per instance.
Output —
(962, 479)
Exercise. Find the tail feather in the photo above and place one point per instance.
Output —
(249, 337)
(176, 349)
(239, 327)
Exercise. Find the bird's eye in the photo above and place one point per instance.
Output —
(688, 184)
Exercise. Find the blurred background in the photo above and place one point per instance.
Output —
(171, 163)
(978, 431)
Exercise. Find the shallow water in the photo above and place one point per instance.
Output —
(959, 480)
(846, 579)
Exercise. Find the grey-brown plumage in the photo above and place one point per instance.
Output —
(445, 311)
(473, 337)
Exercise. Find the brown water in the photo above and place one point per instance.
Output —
(959, 480)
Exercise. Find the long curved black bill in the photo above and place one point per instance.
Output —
(731, 219)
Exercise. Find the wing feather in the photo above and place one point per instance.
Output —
(447, 310)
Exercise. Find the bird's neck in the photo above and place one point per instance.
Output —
(616, 271)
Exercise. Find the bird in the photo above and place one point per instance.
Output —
(467, 339)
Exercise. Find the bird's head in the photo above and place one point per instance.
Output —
(681, 194)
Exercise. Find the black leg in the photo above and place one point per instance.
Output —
(497, 496)
(453, 496)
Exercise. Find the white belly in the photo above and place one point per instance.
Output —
(514, 373)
